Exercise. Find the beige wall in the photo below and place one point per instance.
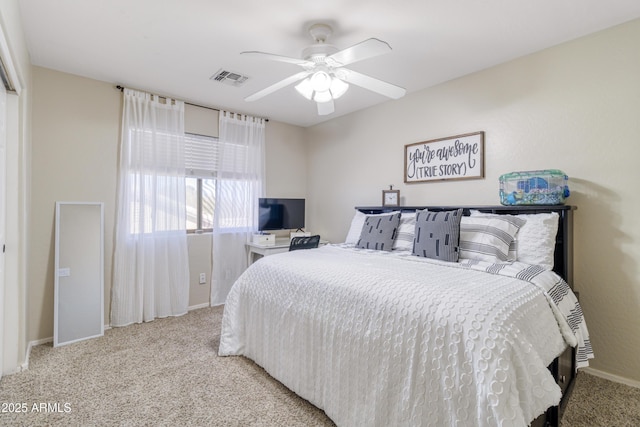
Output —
(286, 161)
(575, 107)
(76, 126)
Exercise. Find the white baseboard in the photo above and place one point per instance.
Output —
(611, 377)
(25, 364)
(197, 306)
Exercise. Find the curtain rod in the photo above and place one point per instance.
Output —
(121, 89)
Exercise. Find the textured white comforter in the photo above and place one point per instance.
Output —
(380, 340)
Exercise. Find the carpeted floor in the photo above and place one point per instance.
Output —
(167, 372)
(599, 402)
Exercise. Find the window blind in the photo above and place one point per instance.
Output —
(203, 157)
(200, 155)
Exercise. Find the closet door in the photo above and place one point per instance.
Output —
(79, 272)
(3, 210)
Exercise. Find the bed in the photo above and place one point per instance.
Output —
(379, 337)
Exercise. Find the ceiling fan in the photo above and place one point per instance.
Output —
(324, 77)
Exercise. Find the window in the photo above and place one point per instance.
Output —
(154, 182)
(147, 195)
(200, 203)
(200, 161)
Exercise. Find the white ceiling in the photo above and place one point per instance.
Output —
(173, 47)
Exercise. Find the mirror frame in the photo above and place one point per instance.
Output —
(60, 273)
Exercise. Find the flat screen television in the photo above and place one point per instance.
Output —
(280, 214)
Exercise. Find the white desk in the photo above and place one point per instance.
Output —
(282, 245)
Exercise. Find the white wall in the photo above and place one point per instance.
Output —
(574, 107)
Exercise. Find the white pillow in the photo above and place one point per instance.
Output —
(536, 239)
(406, 232)
(356, 228)
(489, 238)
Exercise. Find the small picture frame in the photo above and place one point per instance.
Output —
(390, 197)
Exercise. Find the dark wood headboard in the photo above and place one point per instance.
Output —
(563, 262)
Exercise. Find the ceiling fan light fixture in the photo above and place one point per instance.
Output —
(320, 81)
(338, 87)
(324, 78)
(334, 90)
(324, 96)
(304, 88)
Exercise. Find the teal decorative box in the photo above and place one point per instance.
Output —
(542, 187)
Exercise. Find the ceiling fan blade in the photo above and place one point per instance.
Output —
(358, 52)
(325, 108)
(372, 84)
(279, 58)
(279, 85)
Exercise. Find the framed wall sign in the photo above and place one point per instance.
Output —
(454, 157)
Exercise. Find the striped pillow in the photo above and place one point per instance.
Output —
(437, 235)
(489, 238)
(406, 232)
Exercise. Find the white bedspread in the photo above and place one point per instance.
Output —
(375, 339)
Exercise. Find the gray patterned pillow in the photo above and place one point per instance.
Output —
(379, 232)
(437, 234)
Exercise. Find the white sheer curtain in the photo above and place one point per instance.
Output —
(151, 268)
(239, 184)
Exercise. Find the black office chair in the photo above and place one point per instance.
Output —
(304, 242)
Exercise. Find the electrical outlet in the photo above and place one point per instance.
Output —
(203, 278)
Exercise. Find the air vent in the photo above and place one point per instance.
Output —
(229, 77)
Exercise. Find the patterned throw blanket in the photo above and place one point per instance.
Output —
(561, 298)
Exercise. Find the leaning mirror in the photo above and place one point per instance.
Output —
(79, 272)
